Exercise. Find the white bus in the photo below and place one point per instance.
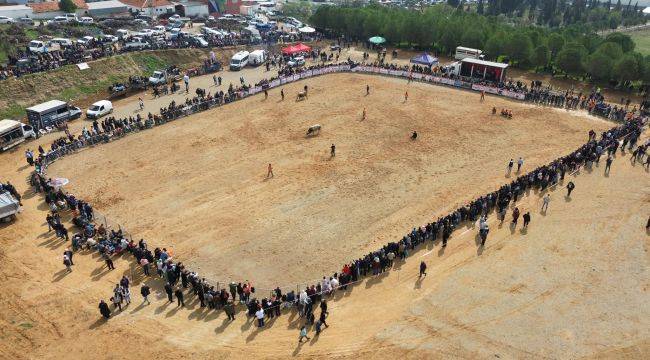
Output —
(463, 53)
(239, 61)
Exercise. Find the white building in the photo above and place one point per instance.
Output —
(150, 7)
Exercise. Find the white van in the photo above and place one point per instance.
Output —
(136, 43)
(14, 132)
(239, 60)
(257, 57)
(99, 109)
(122, 33)
(62, 42)
(464, 53)
(37, 46)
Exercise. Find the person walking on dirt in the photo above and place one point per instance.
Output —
(282, 94)
(269, 173)
(482, 95)
(303, 334)
(406, 96)
(414, 136)
(515, 216)
(67, 263)
(179, 297)
(322, 318)
(333, 150)
(423, 269)
(363, 115)
(69, 254)
(266, 94)
(545, 202)
(229, 308)
(145, 290)
(510, 165)
(608, 164)
(141, 103)
(367, 90)
(520, 162)
(569, 187)
(104, 309)
(109, 261)
(526, 218)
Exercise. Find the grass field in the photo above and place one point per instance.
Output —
(642, 41)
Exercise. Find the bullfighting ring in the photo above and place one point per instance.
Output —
(199, 187)
(574, 284)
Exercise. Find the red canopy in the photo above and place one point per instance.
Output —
(294, 49)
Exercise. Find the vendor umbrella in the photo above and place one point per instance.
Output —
(377, 40)
(307, 30)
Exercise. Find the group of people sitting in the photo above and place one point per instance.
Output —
(507, 113)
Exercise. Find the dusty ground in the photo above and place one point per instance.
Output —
(199, 186)
(575, 284)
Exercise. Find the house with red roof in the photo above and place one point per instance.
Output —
(150, 7)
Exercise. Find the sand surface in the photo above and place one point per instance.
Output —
(575, 284)
(198, 185)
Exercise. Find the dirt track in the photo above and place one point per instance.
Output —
(199, 187)
(576, 284)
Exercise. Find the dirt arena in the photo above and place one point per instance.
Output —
(198, 185)
(574, 285)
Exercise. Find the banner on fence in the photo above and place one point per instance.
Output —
(497, 91)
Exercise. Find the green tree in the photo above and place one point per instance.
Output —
(519, 47)
(473, 38)
(540, 56)
(610, 49)
(494, 46)
(555, 43)
(569, 59)
(626, 42)
(627, 68)
(67, 6)
(599, 66)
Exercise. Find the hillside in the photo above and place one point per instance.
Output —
(70, 83)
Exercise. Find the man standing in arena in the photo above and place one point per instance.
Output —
(333, 150)
(269, 173)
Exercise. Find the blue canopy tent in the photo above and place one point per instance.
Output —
(424, 59)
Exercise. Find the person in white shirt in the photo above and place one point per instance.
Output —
(260, 317)
(520, 162)
(186, 80)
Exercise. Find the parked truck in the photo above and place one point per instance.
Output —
(14, 132)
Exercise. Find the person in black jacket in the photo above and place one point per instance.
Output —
(104, 309)
(145, 291)
(169, 291)
(179, 297)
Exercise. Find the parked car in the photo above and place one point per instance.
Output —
(86, 20)
(6, 20)
(122, 33)
(108, 38)
(99, 109)
(199, 41)
(296, 61)
(58, 20)
(62, 42)
(37, 46)
(159, 30)
(85, 40)
(25, 21)
(136, 43)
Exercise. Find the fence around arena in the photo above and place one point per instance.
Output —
(98, 139)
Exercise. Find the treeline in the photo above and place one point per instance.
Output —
(570, 50)
(603, 14)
